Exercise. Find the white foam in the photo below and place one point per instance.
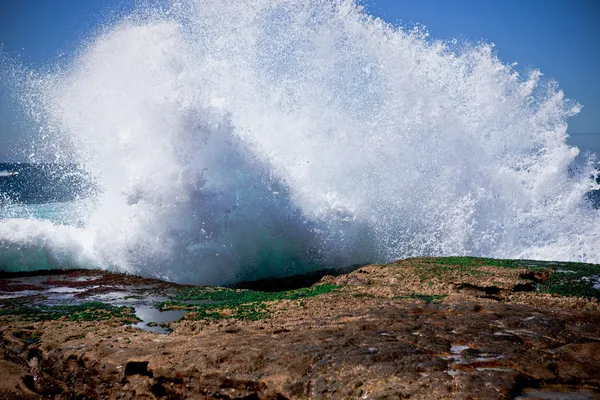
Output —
(8, 173)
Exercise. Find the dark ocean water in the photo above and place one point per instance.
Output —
(594, 196)
(42, 183)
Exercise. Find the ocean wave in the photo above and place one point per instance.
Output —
(237, 140)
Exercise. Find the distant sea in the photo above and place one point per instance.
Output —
(24, 183)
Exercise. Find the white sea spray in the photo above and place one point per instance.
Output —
(234, 140)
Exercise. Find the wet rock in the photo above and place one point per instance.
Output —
(411, 329)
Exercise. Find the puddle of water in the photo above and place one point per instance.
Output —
(522, 332)
(458, 359)
(453, 357)
(64, 289)
(58, 299)
(485, 357)
(86, 278)
(16, 295)
(594, 280)
(458, 348)
(113, 297)
(136, 296)
(125, 298)
(150, 314)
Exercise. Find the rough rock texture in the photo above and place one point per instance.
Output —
(412, 329)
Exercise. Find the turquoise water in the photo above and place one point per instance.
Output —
(70, 213)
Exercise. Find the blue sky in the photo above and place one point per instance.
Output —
(559, 37)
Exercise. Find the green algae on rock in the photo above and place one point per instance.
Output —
(92, 311)
(237, 304)
(562, 278)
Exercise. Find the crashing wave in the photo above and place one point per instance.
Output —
(236, 140)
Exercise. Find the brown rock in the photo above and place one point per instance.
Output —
(386, 334)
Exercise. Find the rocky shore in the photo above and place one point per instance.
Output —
(424, 328)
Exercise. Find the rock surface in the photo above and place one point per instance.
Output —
(453, 328)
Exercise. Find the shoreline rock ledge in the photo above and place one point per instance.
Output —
(421, 328)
